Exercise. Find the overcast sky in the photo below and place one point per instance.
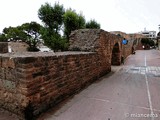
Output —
(114, 15)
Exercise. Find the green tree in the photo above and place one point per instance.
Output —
(147, 41)
(14, 33)
(27, 32)
(92, 24)
(32, 31)
(144, 40)
(72, 21)
(52, 17)
(151, 43)
(3, 38)
(53, 40)
(81, 21)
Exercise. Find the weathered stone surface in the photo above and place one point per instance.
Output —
(89, 39)
(3, 47)
(46, 81)
(101, 42)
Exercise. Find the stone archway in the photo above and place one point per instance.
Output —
(116, 56)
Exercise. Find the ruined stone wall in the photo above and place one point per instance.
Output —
(99, 41)
(127, 49)
(34, 83)
(93, 40)
(85, 40)
(30, 83)
(18, 46)
(115, 56)
(12, 90)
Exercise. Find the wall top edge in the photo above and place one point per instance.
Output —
(43, 54)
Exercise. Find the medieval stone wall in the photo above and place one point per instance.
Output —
(12, 87)
(37, 82)
(30, 83)
(84, 40)
(127, 49)
(101, 42)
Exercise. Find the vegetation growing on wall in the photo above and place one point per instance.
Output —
(3, 38)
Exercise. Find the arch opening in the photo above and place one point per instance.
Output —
(116, 56)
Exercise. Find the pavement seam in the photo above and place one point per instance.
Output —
(148, 91)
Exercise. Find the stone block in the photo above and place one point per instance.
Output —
(7, 62)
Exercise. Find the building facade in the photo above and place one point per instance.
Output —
(149, 34)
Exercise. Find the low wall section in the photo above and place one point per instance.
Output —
(31, 83)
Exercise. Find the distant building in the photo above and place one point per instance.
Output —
(149, 34)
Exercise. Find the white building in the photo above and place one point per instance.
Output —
(149, 34)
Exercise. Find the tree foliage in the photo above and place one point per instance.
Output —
(147, 41)
(81, 21)
(27, 32)
(72, 21)
(3, 38)
(55, 22)
(14, 33)
(52, 17)
(54, 41)
(32, 31)
(92, 24)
